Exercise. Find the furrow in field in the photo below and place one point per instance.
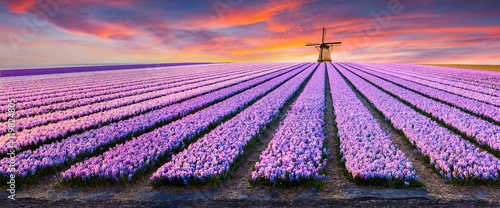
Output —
(96, 96)
(368, 153)
(35, 163)
(75, 113)
(211, 157)
(296, 153)
(481, 131)
(487, 79)
(124, 161)
(483, 110)
(41, 134)
(89, 81)
(454, 158)
(484, 94)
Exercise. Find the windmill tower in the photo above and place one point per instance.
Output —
(324, 49)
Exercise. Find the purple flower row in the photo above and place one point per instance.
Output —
(87, 108)
(23, 88)
(477, 107)
(413, 70)
(83, 99)
(487, 79)
(55, 130)
(212, 155)
(484, 77)
(296, 151)
(68, 69)
(470, 91)
(123, 161)
(85, 84)
(57, 84)
(456, 159)
(484, 132)
(366, 149)
(58, 153)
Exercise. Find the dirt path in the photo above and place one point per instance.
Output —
(237, 187)
(337, 182)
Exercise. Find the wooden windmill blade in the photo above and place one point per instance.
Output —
(331, 43)
(313, 44)
(323, 37)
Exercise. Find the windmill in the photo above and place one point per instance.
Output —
(324, 49)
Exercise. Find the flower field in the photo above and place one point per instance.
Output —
(188, 125)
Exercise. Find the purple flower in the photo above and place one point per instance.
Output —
(444, 148)
(220, 148)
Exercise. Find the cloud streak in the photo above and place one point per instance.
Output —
(145, 31)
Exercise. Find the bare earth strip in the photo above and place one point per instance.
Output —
(237, 186)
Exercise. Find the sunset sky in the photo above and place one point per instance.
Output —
(47, 32)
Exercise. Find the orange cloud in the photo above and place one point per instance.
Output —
(103, 32)
(20, 6)
(240, 15)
